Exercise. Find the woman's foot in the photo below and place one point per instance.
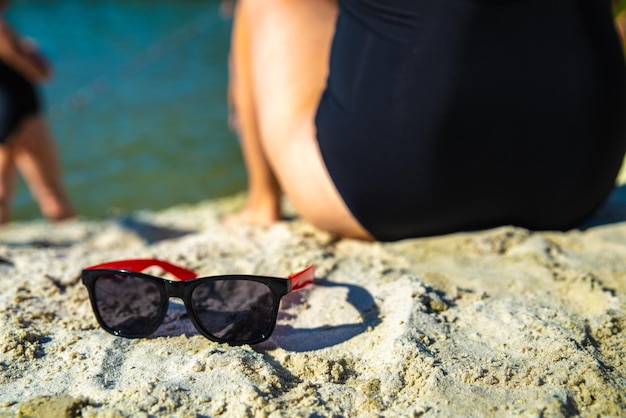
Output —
(54, 203)
(255, 213)
(60, 215)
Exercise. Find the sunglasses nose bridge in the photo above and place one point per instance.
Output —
(175, 289)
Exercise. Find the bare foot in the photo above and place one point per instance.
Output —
(252, 214)
(63, 217)
(56, 207)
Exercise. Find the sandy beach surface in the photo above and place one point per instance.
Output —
(503, 322)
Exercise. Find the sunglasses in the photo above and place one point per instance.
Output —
(235, 309)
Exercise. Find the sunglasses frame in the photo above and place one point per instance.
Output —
(183, 289)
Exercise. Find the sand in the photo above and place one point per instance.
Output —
(503, 322)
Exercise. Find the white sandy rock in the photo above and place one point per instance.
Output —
(504, 322)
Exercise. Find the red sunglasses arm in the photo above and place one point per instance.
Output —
(299, 280)
(302, 278)
(140, 264)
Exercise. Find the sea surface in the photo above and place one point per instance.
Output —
(137, 103)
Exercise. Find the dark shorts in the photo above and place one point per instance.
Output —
(18, 99)
(449, 115)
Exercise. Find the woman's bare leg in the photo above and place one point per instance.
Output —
(620, 22)
(280, 58)
(35, 156)
(263, 200)
(7, 183)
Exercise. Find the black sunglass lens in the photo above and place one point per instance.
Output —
(235, 310)
(127, 305)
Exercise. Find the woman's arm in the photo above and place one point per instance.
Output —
(22, 55)
(619, 7)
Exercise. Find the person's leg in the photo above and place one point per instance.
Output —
(7, 183)
(35, 155)
(280, 59)
(620, 22)
(263, 200)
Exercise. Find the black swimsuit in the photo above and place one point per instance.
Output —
(448, 115)
(18, 99)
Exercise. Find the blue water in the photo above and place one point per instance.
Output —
(138, 101)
